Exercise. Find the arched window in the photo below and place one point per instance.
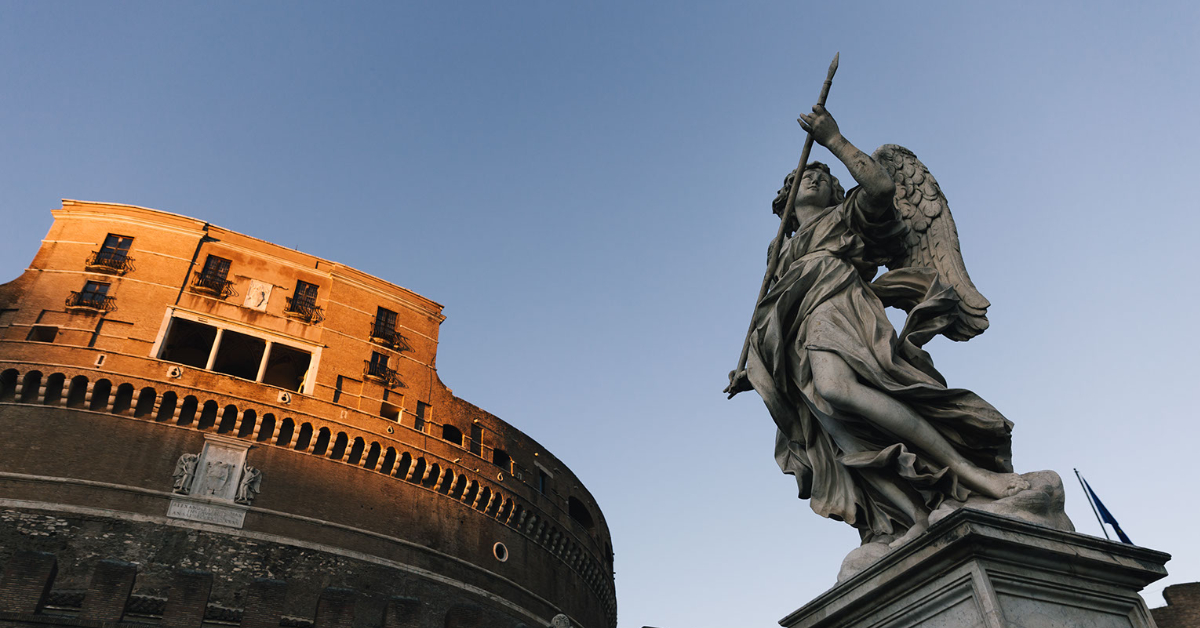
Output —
(187, 412)
(100, 393)
(166, 407)
(124, 399)
(305, 438)
(451, 434)
(77, 395)
(322, 445)
(580, 513)
(268, 428)
(339, 446)
(356, 451)
(29, 386)
(8, 385)
(54, 389)
(285, 433)
(208, 416)
(249, 418)
(145, 402)
(389, 461)
(372, 457)
(228, 419)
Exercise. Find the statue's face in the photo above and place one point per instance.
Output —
(815, 188)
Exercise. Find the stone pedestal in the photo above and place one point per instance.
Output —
(976, 569)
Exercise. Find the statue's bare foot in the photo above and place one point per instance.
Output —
(913, 532)
(991, 484)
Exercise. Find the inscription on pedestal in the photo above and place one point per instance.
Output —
(182, 508)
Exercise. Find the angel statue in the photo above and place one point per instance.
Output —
(867, 426)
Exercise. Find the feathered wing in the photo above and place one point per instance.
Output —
(932, 240)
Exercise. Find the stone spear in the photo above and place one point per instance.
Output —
(773, 251)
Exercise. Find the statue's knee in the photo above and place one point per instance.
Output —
(834, 390)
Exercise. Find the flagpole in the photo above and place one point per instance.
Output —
(1087, 495)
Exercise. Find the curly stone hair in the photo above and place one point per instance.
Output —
(781, 196)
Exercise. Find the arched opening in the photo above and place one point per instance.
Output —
(54, 389)
(339, 446)
(322, 445)
(485, 495)
(267, 429)
(77, 393)
(305, 437)
(389, 461)
(472, 491)
(500, 459)
(249, 419)
(430, 479)
(452, 434)
(208, 416)
(8, 384)
(124, 399)
(580, 513)
(403, 466)
(145, 402)
(372, 457)
(418, 471)
(101, 391)
(285, 433)
(29, 386)
(446, 482)
(228, 419)
(356, 451)
(187, 412)
(166, 407)
(459, 486)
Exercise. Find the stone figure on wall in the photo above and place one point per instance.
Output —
(868, 427)
(185, 471)
(560, 621)
(248, 486)
(216, 476)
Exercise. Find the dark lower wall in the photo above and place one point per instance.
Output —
(312, 516)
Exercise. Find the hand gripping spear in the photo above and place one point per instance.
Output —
(773, 251)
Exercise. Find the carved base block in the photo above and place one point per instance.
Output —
(207, 511)
(977, 569)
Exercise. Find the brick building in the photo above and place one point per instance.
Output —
(1182, 609)
(177, 396)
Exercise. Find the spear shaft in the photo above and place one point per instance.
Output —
(788, 210)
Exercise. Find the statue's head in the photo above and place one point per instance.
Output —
(815, 170)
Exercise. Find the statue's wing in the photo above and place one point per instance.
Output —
(932, 240)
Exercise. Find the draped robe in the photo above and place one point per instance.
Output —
(822, 299)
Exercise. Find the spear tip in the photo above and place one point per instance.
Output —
(833, 66)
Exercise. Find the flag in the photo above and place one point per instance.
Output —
(1104, 514)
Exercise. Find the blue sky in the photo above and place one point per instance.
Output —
(586, 187)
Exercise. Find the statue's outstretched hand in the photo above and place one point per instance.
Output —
(820, 124)
(738, 382)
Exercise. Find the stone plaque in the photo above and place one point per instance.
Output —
(195, 510)
(257, 295)
(208, 486)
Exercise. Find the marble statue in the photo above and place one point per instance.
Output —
(868, 427)
(248, 486)
(185, 470)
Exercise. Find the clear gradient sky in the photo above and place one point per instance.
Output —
(586, 187)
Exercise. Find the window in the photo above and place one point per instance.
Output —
(580, 513)
(451, 434)
(116, 246)
(378, 362)
(306, 293)
(303, 305)
(500, 458)
(542, 482)
(216, 269)
(93, 296)
(419, 420)
(242, 355)
(42, 333)
(476, 444)
(113, 256)
(213, 278)
(385, 323)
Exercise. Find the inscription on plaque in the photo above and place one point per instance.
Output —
(206, 513)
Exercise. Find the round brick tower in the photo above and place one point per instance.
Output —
(177, 396)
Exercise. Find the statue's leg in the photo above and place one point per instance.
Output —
(838, 385)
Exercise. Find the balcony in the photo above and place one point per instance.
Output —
(389, 337)
(381, 373)
(212, 285)
(304, 311)
(91, 301)
(109, 262)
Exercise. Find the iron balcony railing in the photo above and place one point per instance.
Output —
(380, 372)
(92, 301)
(211, 284)
(111, 262)
(303, 310)
(389, 337)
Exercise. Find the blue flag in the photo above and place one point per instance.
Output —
(1105, 515)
